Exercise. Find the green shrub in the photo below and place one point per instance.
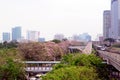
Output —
(83, 60)
(72, 73)
(11, 67)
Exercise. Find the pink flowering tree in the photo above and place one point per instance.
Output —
(33, 51)
(54, 50)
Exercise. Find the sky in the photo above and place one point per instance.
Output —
(50, 17)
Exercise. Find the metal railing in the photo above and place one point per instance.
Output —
(111, 58)
(39, 66)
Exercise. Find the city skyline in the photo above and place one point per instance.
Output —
(55, 16)
(35, 36)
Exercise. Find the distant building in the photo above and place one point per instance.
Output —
(76, 37)
(59, 37)
(115, 19)
(6, 36)
(106, 23)
(99, 37)
(16, 33)
(33, 35)
(85, 37)
(41, 39)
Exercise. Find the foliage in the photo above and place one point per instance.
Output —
(82, 60)
(72, 73)
(32, 51)
(54, 50)
(78, 61)
(56, 41)
(11, 67)
(109, 39)
(44, 51)
(41, 51)
(8, 45)
(64, 46)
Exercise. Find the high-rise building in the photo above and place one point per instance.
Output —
(85, 37)
(6, 36)
(106, 23)
(115, 19)
(59, 37)
(16, 33)
(33, 35)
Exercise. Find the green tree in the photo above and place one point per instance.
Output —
(11, 67)
(56, 41)
(83, 60)
(8, 45)
(110, 40)
(72, 73)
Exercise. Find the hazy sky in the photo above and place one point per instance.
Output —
(53, 16)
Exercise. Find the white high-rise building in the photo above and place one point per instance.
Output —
(115, 19)
(33, 35)
(106, 23)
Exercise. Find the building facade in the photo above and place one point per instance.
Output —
(33, 35)
(115, 24)
(6, 36)
(106, 23)
(16, 33)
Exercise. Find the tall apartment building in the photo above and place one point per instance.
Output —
(16, 33)
(106, 23)
(115, 19)
(33, 35)
(6, 36)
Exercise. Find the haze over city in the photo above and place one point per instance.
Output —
(53, 16)
(60, 40)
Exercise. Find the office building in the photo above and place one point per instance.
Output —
(6, 36)
(106, 23)
(33, 35)
(115, 19)
(16, 33)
